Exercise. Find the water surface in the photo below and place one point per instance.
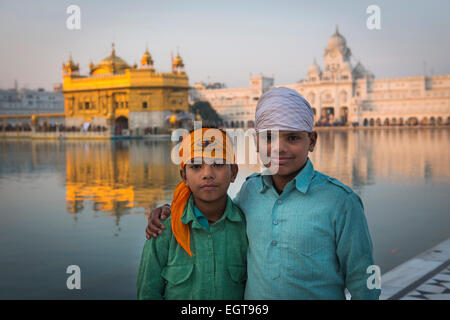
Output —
(83, 203)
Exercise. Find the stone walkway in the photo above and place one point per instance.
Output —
(425, 277)
(436, 288)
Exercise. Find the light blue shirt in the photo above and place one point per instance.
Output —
(309, 242)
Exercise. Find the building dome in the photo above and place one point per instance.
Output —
(113, 59)
(359, 69)
(314, 68)
(71, 64)
(146, 60)
(346, 66)
(337, 40)
(111, 64)
(70, 67)
(178, 62)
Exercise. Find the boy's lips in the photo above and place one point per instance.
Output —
(282, 160)
(209, 186)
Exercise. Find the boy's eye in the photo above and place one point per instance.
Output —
(293, 138)
(196, 166)
(218, 165)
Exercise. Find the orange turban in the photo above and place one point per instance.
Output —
(204, 143)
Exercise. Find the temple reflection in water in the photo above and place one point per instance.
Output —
(127, 177)
(117, 178)
(358, 157)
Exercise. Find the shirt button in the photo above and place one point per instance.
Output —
(279, 201)
(274, 243)
(275, 222)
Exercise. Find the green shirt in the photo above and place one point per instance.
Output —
(201, 218)
(216, 270)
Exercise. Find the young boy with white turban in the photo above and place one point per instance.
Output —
(307, 232)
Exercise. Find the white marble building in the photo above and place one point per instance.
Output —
(26, 101)
(236, 106)
(346, 93)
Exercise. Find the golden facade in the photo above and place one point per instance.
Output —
(118, 178)
(118, 96)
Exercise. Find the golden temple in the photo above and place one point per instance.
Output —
(116, 96)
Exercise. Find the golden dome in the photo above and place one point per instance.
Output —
(146, 60)
(111, 64)
(70, 67)
(178, 62)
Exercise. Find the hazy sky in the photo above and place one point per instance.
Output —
(221, 41)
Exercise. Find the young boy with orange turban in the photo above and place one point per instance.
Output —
(204, 251)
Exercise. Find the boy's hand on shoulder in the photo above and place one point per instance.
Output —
(154, 226)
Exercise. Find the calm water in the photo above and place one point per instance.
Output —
(83, 203)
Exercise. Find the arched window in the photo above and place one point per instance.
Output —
(432, 121)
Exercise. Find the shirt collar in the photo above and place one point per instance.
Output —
(189, 215)
(302, 180)
(197, 213)
(304, 177)
(201, 219)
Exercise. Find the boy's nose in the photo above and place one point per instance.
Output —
(282, 147)
(279, 146)
(207, 172)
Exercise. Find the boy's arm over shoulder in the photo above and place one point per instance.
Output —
(243, 193)
(354, 246)
(150, 284)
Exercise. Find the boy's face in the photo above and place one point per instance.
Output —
(293, 148)
(209, 182)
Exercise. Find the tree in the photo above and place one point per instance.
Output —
(204, 109)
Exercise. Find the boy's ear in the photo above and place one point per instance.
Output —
(183, 175)
(234, 172)
(257, 142)
(313, 138)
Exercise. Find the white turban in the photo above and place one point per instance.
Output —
(283, 109)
